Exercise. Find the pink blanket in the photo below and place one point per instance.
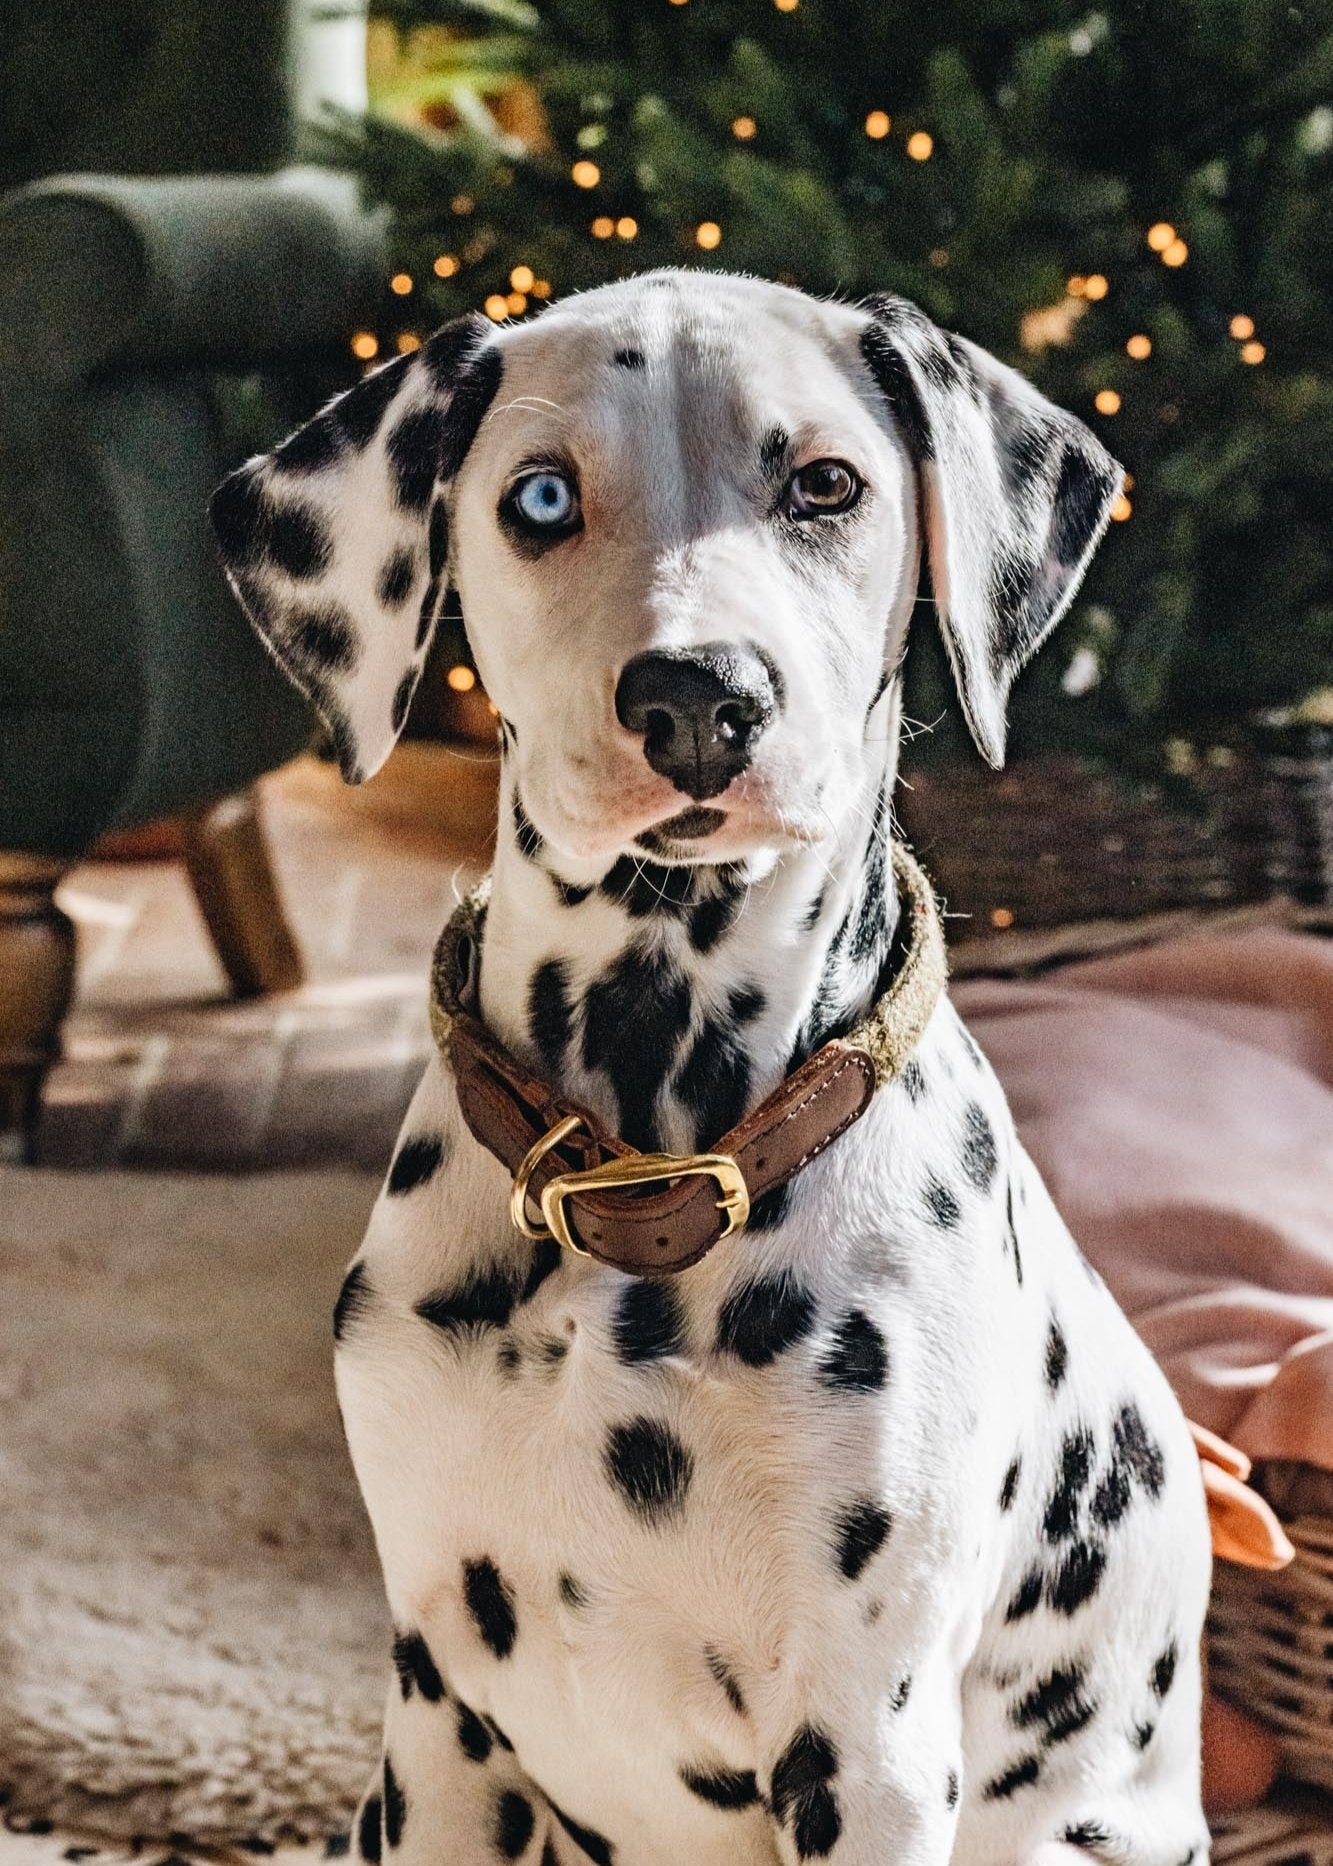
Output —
(1179, 1102)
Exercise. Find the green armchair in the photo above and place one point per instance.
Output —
(152, 333)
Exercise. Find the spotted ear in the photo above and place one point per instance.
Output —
(1015, 494)
(337, 543)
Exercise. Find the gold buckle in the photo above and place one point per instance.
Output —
(642, 1169)
(638, 1169)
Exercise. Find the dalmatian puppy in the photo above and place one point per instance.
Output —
(876, 1536)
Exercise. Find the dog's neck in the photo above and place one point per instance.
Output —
(671, 999)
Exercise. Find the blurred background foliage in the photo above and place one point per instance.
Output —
(1132, 204)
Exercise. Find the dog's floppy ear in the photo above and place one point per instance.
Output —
(1015, 494)
(337, 543)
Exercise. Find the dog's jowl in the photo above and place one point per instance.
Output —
(871, 1533)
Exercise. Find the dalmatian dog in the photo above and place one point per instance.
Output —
(875, 1536)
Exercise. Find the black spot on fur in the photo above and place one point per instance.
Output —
(315, 446)
(438, 538)
(979, 1156)
(490, 1601)
(1072, 1479)
(892, 372)
(1028, 1597)
(1086, 1834)
(550, 1012)
(630, 359)
(711, 918)
(913, 1079)
(901, 1692)
(474, 391)
(514, 1822)
(862, 1531)
(353, 1300)
(545, 1262)
(1022, 1775)
(570, 894)
(770, 1209)
(762, 1319)
(1144, 1734)
(1112, 1497)
(1058, 1706)
(1137, 1451)
(634, 1016)
(239, 513)
(648, 1322)
(1077, 1578)
(474, 1739)
(942, 1205)
(951, 1789)
(484, 1299)
(644, 888)
(571, 1592)
(650, 1467)
(722, 1788)
(722, 1672)
(416, 1668)
(298, 540)
(801, 1796)
(1081, 491)
(368, 1830)
(498, 1734)
(1057, 1356)
(402, 698)
(416, 1161)
(857, 1361)
(361, 411)
(528, 838)
(598, 1849)
(1163, 1674)
(396, 578)
(509, 1358)
(322, 640)
(714, 1080)
(414, 449)
(395, 1806)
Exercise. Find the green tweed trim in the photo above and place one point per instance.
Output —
(888, 1034)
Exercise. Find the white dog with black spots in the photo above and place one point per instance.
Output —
(876, 1536)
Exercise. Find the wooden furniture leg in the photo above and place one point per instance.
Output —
(227, 857)
(36, 985)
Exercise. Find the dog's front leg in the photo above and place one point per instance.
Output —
(448, 1791)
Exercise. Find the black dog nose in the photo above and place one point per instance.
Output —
(700, 711)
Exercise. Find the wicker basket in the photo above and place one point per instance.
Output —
(1271, 1635)
(1050, 842)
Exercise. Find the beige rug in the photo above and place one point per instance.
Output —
(191, 1634)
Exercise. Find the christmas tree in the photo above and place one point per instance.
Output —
(1132, 204)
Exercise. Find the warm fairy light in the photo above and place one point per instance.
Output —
(401, 283)
(497, 306)
(603, 227)
(878, 125)
(1121, 510)
(461, 679)
(786, 6)
(708, 235)
(541, 288)
(523, 278)
(1160, 235)
(1241, 326)
(406, 342)
(462, 204)
(1002, 917)
(445, 266)
(1107, 401)
(1252, 353)
(744, 128)
(1176, 254)
(1139, 346)
(1129, 482)
(920, 145)
(365, 345)
(938, 257)
(585, 174)
(517, 303)
(1096, 286)
(1076, 285)
(627, 227)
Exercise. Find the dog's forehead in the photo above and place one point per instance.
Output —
(718, 359)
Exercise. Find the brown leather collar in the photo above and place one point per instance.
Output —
(594, 1191)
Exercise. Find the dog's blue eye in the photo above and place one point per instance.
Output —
(823, 486)
(545, 500)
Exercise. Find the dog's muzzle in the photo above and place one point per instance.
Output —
(700, 712)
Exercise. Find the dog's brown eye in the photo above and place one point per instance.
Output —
(823, 486)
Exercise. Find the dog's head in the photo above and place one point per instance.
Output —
(683, 515)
